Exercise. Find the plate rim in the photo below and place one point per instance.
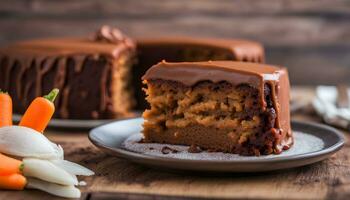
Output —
(76, 123)
(127, 154)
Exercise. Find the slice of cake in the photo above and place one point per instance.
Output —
(93, 75)
(226, 106)
(189, 49)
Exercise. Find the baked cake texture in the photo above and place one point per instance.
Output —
(100, 77)
(226, 106)
(93, 75)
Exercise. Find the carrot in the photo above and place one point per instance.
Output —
(10, 165)
(39, 112)
(13, 182)
(5, 109)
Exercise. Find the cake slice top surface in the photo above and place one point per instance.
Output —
(190, 73)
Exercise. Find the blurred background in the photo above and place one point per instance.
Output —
(311, 38)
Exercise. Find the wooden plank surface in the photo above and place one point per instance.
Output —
(306, 36)
(227, 7)
(329, 179)
(272, 22)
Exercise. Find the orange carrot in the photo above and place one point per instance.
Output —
(10, 165)
(13, 182)
(5, 109)
(39, 112)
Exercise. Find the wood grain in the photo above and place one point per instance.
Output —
(126, 196)
(329, 179)
(282, 31)
(171, 8)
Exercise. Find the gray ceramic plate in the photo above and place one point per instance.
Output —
(313, 143)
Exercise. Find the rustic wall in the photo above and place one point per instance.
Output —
(311, 38)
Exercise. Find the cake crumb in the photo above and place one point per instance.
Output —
(167, 150)
(194, 149)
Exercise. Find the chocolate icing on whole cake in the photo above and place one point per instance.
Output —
(75, 66)
(236, 73)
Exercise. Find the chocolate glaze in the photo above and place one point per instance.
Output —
(74, 65)
(236, 73)
(189, 73)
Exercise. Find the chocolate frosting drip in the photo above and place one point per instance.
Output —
(236, 73)
(36, 76)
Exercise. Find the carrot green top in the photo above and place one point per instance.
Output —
(3, 92)
(52, 95)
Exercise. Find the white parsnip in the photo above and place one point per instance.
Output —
(73, 168)
(55, 189)
(45, 170)
(25, 142)
(43, 162)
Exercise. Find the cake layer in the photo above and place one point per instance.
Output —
(240, 107)
(222, 141)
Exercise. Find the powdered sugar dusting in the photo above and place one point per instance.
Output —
(303, 143)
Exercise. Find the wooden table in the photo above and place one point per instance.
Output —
(329, 179)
